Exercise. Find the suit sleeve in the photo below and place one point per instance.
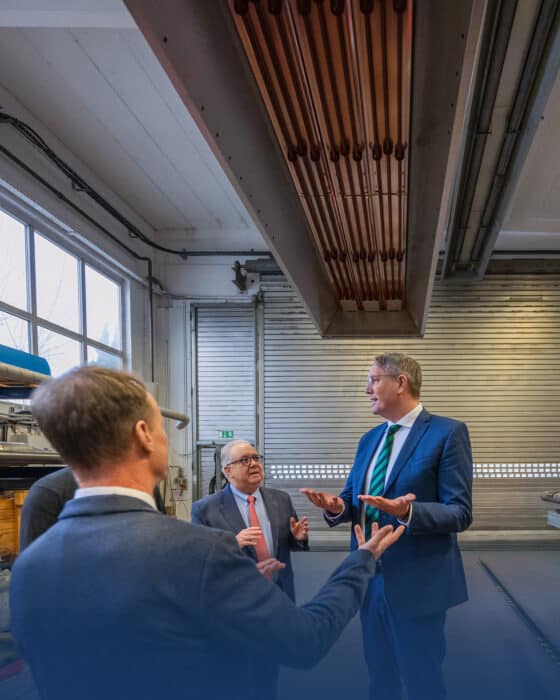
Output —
(453, 511)
(242, 606)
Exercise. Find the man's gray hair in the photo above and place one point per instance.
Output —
(225, 454)
(396, 363)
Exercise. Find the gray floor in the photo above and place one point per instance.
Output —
(493, 651)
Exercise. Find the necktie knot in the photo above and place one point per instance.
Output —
(250, 500)
(393, 429)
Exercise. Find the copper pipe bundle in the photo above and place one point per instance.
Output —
(335, 80)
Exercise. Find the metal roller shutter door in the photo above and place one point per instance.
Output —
(490, 357)
(225, 378)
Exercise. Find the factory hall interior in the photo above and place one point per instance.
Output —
(279, 349)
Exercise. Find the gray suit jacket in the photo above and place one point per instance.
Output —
(220, 511)
(115, 592)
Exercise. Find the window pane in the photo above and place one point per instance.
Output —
(104, 359)
(14, 332)
(57, 284)
(61, 353)
(13, 279)
(103, 308)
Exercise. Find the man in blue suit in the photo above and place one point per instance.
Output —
(414, 469)
(118, 601)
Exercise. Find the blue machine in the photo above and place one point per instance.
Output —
(22, 360)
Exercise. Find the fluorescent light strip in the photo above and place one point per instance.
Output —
(481, 470)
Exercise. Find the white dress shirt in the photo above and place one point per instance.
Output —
(243, 506)
(406, 423)
(116, 491)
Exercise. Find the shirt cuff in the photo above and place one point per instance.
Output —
(409, 520)
(334, 516)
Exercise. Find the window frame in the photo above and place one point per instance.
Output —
(35, 321)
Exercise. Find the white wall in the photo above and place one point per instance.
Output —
(27, 198)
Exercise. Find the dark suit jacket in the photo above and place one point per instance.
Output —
(118, 601)
(220, 511)
(423, 570)
(45, 501)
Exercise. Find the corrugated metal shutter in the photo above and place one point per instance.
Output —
(490, 357)
(225, 378)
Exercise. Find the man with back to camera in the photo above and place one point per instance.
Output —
(266, 527)
(118, 601)
(414, 469)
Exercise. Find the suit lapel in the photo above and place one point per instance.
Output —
(368, 452)
(360, 486)
(272, 512)
(418, 429)
(230, 511)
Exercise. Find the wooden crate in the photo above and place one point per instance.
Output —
(10, 516)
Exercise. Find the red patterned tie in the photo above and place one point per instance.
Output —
(261, 547)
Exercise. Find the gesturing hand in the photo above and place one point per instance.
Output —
(268, 567)
(399, 507)
(249, 536)
(380, 540)
(323, 500)
(299, 528)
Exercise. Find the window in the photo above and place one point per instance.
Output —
(103, 309)
(56, 305)
(14, 332)
(57, 272)
(13, 267)
(61, 352)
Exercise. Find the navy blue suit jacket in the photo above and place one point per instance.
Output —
(118, 601)
(423, 571)
(220, 511)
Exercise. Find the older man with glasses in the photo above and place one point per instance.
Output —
(266, 526)
(263, 520)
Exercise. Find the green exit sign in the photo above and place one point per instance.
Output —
(225, 434)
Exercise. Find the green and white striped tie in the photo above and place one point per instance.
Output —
(377, 483)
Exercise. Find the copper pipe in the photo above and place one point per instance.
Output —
(400, 145)
(325, 111)
(312, 138)
(365, 174)
(357, 199)
(343, 139)
(387, 143)
(377, 145)
(269, 43)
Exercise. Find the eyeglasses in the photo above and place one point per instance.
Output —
(372, 381)
(247, 460)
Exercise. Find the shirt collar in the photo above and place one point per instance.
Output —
(408, 420)
(116, 491)
(243, 496)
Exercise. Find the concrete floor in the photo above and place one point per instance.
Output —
(493, 652)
